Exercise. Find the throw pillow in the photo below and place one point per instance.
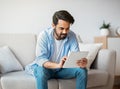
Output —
(8, 62)
(93, 49)
(79, 38)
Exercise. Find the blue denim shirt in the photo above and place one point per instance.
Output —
(45, 48)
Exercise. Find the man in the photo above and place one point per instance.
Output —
(53, 46)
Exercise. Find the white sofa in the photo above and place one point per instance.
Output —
(100, 76)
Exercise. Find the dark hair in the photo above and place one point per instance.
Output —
(63, 15)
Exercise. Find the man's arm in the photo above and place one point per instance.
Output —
(49, 64)
(42, 52)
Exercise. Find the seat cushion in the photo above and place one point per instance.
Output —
(21, 80)
(95, 78)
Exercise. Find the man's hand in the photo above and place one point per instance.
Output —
(53, 65)
(82, 63)
(62, 61)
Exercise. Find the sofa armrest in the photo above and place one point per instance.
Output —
(106, 60)
(0, 81)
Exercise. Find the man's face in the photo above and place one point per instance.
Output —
(61, 29)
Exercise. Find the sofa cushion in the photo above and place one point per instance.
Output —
(95, 78)
(21, 80)
(93, 49)
(23, 45)
(8, 61)
(0, 82)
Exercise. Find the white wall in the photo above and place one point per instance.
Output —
(32, 16)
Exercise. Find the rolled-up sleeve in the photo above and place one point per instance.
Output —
(42, 50)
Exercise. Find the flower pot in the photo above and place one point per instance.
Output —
(104, 32)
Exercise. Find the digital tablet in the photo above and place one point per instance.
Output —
(73, 57)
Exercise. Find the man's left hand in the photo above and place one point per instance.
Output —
(82, 63)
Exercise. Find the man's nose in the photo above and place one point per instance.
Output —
(64, 31)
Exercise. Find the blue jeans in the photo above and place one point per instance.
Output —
(42, 75)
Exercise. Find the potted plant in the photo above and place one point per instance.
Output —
(104, 29)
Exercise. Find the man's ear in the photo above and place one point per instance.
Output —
(53, 25)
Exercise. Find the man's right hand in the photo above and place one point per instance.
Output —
(53, 65)
(62, 61)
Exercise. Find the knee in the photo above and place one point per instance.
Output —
(82, 72)
(39, 72)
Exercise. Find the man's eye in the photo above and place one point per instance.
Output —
(67, 29)
(61, 28)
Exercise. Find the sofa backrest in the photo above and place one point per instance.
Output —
(22, 45)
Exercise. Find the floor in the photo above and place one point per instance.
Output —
(117, 87)
(117, 82)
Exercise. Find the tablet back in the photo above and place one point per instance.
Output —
(73, 57)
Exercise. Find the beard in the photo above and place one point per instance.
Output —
(60, 36)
